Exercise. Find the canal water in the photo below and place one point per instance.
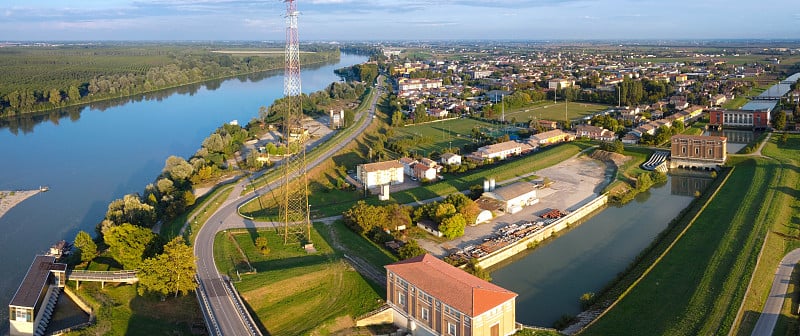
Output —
(91, 155)
(551, 278)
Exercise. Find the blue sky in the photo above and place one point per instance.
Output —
(398, 19)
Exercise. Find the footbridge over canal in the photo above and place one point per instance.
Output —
(124, 276)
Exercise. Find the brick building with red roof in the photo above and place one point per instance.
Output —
(431, 297)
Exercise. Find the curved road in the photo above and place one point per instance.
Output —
(777, 295)
(223, 304)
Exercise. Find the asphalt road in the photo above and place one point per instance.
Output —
(224, 306)
(777, 295)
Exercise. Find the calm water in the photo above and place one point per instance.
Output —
(95, 154)
(551, 278)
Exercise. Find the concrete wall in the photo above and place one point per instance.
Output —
(563, 223)
(383, 317)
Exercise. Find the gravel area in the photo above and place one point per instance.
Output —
(9, 199)
(575, 182)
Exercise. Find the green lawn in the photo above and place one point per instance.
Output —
(120, 311)
(295, 293)
(439, 136)
(697, 287)
(783, 237)
(547, 110)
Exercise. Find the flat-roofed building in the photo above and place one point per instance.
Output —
(515, 196)
(739, 118)
(431, 297)
(380, 173)
(34, 301)
(697, 151)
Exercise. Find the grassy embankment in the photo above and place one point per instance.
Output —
(783, 236)
(625, 177)
(121, 311)
(334, 202)
(696, 287)
(296, 293)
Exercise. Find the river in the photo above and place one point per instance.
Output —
(551, 278)
(91, 155)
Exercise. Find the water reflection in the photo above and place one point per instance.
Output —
(688, 182)
(26, 123)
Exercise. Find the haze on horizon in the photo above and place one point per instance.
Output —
(54, 20)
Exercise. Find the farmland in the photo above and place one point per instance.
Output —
(697, 287)
(287, 276)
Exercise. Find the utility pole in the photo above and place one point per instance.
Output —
(294, 205)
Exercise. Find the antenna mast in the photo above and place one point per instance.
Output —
(294, 207)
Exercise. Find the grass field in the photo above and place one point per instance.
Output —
(293, 292)
(696, 289)
(439, 136)
(120, 311)
(783, 237)
(547, 110)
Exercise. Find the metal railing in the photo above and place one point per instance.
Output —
(208, 315)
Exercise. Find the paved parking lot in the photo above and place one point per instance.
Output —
(575, 182)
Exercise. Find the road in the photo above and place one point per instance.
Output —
(225, 306)
(777, 295)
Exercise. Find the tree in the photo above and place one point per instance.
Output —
(170, 272)
(128, 244)
(473, 268)
(130, 209)
(779, 121)
(214, 143)
(397, 216)
(363, 217)
(410, 249)
(442, 211)
(86, 246)
(177, 168)
(453, 226)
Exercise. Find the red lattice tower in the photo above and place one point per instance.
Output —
(294, 209)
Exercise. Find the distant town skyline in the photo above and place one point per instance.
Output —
(343, 20)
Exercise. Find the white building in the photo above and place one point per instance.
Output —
(501, 150)
(559, 83)
(380, 173)
(515, 196)
(451, 159)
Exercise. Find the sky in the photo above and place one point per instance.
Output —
(346, 20)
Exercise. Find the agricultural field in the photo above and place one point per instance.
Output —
(698, 286)
(547, 110)
(291, 291)
(439, 136)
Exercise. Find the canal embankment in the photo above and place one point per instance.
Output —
(548, 231)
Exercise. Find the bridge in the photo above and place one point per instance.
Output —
(124, 276)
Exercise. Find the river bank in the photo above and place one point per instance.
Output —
(9, 199)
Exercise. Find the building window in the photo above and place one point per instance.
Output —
(401, 299)
(683, 150)
(425, 314)
(451, 329)
(710, 152)
(697, 151)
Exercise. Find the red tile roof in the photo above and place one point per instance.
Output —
(453, 286)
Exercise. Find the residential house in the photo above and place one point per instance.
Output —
(548, 124)
(408, 163)
(424, 172)
(428, 296)
(380, 173)
(559, 83)
(550, 137)
(594, 132)
(500, 151)
(450, 159)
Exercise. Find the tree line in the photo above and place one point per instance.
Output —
(84, 86)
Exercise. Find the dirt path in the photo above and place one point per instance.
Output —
(360, 265)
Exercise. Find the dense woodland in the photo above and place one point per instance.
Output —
(42, 78)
